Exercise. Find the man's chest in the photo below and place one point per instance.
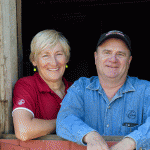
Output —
(119, 117)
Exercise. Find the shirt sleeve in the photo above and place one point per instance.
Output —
(24, 96)
(142, 135)
(70, 120)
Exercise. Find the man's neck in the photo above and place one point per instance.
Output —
(111, 85)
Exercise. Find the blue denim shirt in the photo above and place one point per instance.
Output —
(86, 108)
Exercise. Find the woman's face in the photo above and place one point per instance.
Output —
(51, 63)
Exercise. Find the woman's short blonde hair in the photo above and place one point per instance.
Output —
(45, 38)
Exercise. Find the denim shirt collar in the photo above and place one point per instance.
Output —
(127, 86)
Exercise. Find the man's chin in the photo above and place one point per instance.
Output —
(112, 76)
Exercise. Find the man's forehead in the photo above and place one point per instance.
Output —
(114, 50)
(114, 43)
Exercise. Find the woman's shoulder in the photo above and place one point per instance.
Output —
(29, 80)
(67, 83)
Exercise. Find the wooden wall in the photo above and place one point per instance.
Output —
(8, 61)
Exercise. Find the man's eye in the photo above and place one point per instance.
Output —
(106, 52)
(121, 54)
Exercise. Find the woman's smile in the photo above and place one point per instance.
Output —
(54, 69)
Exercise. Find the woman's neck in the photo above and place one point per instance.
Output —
(56, 85)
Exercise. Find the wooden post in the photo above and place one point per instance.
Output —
(8, 61)
(19, 38)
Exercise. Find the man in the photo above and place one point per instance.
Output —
(111, 103)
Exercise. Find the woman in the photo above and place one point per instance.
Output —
(37, 99)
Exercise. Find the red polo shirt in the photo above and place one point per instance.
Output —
(34, 95)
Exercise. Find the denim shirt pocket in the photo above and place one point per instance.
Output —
(132, 115)
(131, 121)
(128, 127)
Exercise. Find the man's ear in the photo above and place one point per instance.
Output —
(130, 59)
(95, 56)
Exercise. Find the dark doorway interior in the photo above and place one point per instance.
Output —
(82, 22)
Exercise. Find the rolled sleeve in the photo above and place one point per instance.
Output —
(142, 136)
(70, 120)
(73, 129)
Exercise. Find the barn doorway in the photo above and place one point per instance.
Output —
(82, 22)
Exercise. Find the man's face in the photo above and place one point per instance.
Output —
(112, 59)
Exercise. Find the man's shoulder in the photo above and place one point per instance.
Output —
(84, 81)
(137, 81)
(140, 85)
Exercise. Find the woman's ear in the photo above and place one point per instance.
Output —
(67, 60)
(34, 63)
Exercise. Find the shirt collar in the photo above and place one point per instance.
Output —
(127, 87)
(42, 85)
(95, 85)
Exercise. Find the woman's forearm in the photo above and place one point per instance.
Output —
(36, 128)
(41, 127)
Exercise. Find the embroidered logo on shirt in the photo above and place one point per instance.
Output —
(131, 114)
(22, 101)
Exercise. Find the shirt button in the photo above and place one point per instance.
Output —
(129, 125)
(140, 148)
(107, 125)
(108, 107)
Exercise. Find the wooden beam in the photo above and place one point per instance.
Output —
(8, 60)
(19, 38)
(55, 137)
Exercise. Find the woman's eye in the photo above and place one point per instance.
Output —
(45, 55)
(59, 54)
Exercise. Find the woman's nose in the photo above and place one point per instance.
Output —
(53, 61)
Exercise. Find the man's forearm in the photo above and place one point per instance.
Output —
(95, 141)
(125, 144)
(92, 135)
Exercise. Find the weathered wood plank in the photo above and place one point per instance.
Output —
(55, 137)
(8, 61)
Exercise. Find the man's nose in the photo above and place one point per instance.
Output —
(113, 58)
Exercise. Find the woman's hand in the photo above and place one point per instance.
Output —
(95, 141)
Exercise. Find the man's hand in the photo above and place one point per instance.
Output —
(125, 144)
(95, 142)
